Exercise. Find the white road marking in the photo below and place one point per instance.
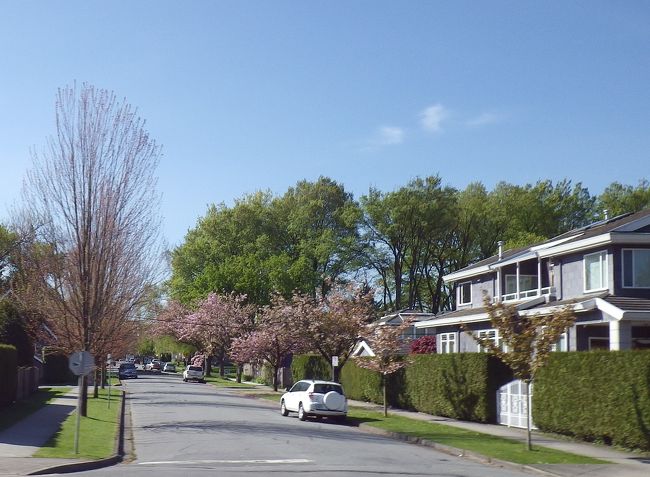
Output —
(248, 461)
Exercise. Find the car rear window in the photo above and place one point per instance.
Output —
(196, 368)
(127, 366)
(325, 388)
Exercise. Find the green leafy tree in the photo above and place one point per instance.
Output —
(619, 199)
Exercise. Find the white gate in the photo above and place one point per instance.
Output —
(512, 404)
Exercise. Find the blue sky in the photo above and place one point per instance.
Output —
(249, 95)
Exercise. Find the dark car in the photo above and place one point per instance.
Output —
(127, 371)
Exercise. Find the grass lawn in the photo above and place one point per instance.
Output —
(97, 432)
(487, 445)
(21, 409)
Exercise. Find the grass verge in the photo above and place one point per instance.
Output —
(226, 383)
(97, 432)
(484, 444)
(21, 409)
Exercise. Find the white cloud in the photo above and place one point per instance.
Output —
(484, 119)
(389, 135)
(432, 117)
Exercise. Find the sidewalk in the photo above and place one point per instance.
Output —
(624, 464)
(21, 440)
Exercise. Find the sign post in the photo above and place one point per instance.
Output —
(80, 363)
(335, 363)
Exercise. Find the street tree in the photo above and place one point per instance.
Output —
(90, 214)
(525, 341)
(333, 324)
(387, 342)
(277, 336)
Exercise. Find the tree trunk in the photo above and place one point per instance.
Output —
(83, 396)
(208, 365)
(275, 377)
(240, 370)
(383, 382)
(96, 387)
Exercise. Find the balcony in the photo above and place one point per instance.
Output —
(527, 294)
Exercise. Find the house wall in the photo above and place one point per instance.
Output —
(484, 283)
(569, 274)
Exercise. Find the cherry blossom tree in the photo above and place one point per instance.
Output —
(334, 323)
(387, 342)
(277, 335)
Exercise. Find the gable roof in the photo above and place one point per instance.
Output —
(603, 231)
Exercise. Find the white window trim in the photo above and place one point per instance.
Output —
(603, 262)
(454, 339)
(623, 269)
(460, 293)
(481, 332)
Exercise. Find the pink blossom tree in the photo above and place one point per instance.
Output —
(277, 335)
(334, 323)
(387, 342)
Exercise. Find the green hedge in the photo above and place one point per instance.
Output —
(309, 366)
(462, 386)
(8, 374)
(600, 396)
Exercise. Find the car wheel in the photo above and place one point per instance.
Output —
(302, 415)
(184, 380)
(283, 409)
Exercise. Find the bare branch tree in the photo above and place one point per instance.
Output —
(91, 205)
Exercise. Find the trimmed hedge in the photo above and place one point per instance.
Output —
(461, 386)
(597, 396)
(56, 370)
(8, 374)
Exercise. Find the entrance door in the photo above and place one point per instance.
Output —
(512, 404)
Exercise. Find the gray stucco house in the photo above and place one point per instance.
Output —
(602, 271)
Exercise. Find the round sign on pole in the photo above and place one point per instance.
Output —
(81, 363)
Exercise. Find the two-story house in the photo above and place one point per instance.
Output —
(602, 271)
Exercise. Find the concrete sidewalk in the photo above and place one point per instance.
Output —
(623, 464)
(21, 440)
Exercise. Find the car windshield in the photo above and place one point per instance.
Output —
(326, 388)
(196, 368)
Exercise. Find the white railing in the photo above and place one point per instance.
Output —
(524, 294)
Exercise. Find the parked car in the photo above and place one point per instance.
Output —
(127, 370)
(315, 398)
(154, 366)
(193, 373)
(169, 368)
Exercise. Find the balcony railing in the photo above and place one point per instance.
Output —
(525, 294)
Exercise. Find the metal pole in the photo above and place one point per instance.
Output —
(76, 432)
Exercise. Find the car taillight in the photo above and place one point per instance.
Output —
(312, 396)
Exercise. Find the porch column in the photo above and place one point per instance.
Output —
(539, 276)
(517, 289)
(498, 297)
(620, 335)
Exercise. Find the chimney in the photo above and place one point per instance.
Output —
(606, 214)
(500, 244)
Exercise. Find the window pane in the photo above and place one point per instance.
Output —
(466, 292)
(628, 272)
(511, 284)
(593, 271)
(642, 268)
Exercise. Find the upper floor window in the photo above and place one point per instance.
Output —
(447, 342)
(488, 334)
(595, 271)
(465, 293)
(526, 282)
(636, 268)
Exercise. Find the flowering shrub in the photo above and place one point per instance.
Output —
(424, 345)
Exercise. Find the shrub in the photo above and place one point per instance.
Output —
(309, 366)
(423, 345)
(56, 370)
(8, 374)
(598, 396)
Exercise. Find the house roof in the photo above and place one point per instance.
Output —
(622, 224)
(618, 307)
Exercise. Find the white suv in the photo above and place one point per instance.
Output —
(315, 398)
(193, 373)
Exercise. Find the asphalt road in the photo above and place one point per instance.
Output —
(195, 429)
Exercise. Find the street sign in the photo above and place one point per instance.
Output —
(335, 360)
(81, 363)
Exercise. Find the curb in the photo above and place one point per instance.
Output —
(116, 458)
(453, 450)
